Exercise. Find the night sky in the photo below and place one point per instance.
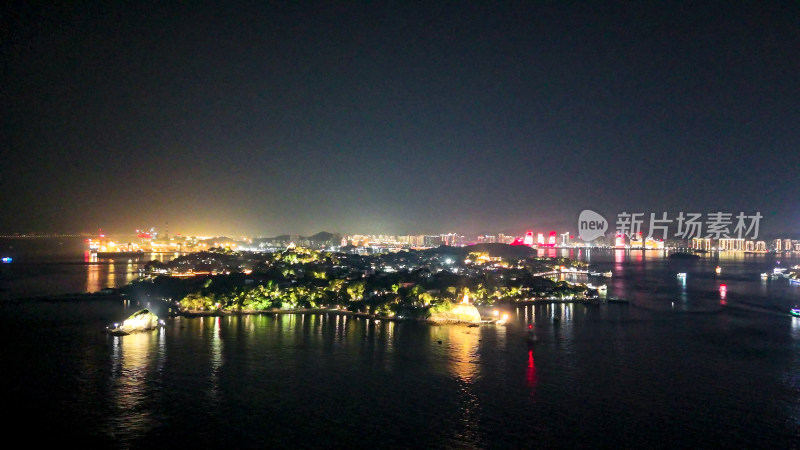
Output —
(395, 117)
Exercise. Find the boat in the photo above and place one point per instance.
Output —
(608, 274)
(601, 288)
(682, 275)
(795, 311)
(718, 270)
(764, 276)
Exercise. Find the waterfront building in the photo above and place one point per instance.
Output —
(655, 244)
(730, 245)
(701, 244)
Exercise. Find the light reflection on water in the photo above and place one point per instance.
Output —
(133, 359)
(331, 379)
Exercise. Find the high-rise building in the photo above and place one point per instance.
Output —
(730, 245)
(701, 244)
(528, 239)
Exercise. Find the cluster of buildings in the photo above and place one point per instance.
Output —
(423, 240)
(150, 241)
(744, 245)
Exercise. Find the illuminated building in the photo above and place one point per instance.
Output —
(701, 244)
(503, 239)
(565, 239)
(619, 241)
(540, 239)
(655, 244)
(551, 242)
(637, 242)
(761, 246)
(749, 246)
(528, 239)
(731, 245)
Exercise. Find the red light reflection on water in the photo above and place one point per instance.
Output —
(530, 373)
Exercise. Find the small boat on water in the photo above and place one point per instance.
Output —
(682, 275)
(764, 276)
(600, 288)
(795, 311)
(607, 274)
(718, 270)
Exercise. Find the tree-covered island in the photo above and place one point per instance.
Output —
(405, 284)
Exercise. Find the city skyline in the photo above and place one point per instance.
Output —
(266, 119)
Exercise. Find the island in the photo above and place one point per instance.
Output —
(440, 284)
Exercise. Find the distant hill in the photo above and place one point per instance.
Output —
(210, 242)
(322, 236)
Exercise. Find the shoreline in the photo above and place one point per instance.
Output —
(195, 314)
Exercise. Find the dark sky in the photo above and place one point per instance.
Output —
(395, 117)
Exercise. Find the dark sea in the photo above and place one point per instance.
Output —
(683, 365)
